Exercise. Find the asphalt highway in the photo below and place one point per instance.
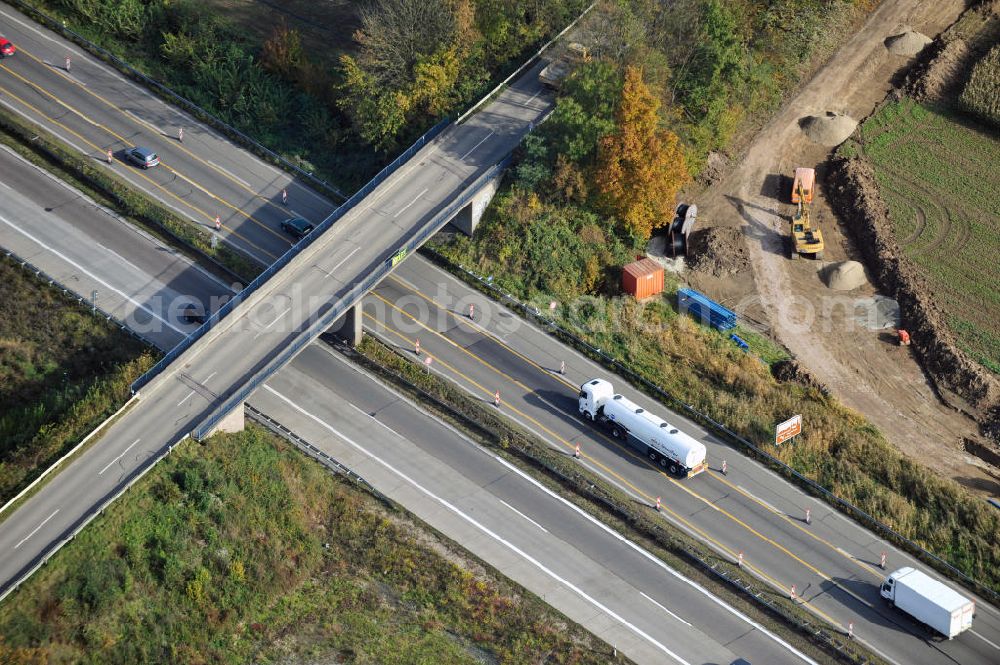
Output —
(137, 279)
(610, 586)
(832, 561)
(94, 109)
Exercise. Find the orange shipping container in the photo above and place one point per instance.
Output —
(642, 278)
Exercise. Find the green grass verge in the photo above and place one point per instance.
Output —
(63, 371)
(933, 171)
(243, 550)
(838, 448)
(97, 179)
(621, 512)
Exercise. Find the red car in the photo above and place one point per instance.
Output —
(6, 48)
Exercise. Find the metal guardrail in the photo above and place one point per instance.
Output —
(345, 303)
(292, 252)
(180, 100)
(88, 518)
(327, 460)
(108, 316)
(625, 513)
(532, 312)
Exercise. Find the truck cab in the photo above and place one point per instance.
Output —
(593, 395)
(888, 586)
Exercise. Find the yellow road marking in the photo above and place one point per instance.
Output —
(663, 508)
(463, 320)
(674, 481)
(126, 142)
(137, 173)
(411, 289)
(795, 524)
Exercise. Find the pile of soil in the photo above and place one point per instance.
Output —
(959, 380)
(830, 129)
(943, 76)
(791, 371)
(908, 43)
(845, 275)
(944, 68)
(715, 167)
(719, 252)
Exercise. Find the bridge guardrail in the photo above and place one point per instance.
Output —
(345, 303)
(292, 252)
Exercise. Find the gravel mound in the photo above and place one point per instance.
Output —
(907, 44)
(719, 252)
(845, 276)
(829, 130)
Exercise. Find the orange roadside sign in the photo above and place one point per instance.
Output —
(786, 430)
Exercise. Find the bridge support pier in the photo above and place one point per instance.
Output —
(467, 219)
(348, 326)
(233, 422)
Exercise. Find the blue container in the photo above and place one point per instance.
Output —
(705, 310)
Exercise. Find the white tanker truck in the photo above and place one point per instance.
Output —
(657, 439)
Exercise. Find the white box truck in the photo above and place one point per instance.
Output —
(929, 601)
(657, 439)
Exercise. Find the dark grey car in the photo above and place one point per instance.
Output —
(297, 226)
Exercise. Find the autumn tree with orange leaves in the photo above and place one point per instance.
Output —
(640, 166)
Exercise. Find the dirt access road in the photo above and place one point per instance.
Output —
(862, 367)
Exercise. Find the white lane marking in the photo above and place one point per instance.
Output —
(643, 594)
(276, 319)
(527, 557)
(523, 515)
(762, 502)
(473, 148)
(186, 397)
(415, 199)
(4, 185)
(659, 563)
(37, 528)
(61, 44)
(142, 122)
(342, 261)
(90, 274)
(231, 175)
(985, 640)
(32, 119)
(119, 457)
(532, 98)
(395, 178)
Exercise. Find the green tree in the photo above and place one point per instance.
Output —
(640, 167)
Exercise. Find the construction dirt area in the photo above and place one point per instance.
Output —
(845, 336)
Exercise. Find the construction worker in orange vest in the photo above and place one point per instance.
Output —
(904, 337)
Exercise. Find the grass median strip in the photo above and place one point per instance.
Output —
(623, 513)
(107, 189)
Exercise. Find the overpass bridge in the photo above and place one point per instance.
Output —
(201, 385)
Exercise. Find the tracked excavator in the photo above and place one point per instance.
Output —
(802, 237)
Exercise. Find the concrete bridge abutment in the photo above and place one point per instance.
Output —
(467, 218)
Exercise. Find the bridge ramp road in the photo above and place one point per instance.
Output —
(630, 599)
(249, 339)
